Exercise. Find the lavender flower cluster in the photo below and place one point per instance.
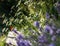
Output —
(49, 35)
(24, 43)
(21, 41)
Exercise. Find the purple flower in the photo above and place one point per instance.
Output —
(53, 27)
(20, 37)
(42, 39)
(49, 30)
(47, 15)
(24, 43)
(36, 23)
(20, 43)
(51, 44)
(58, 31)
(53, 38)
(15, 31)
